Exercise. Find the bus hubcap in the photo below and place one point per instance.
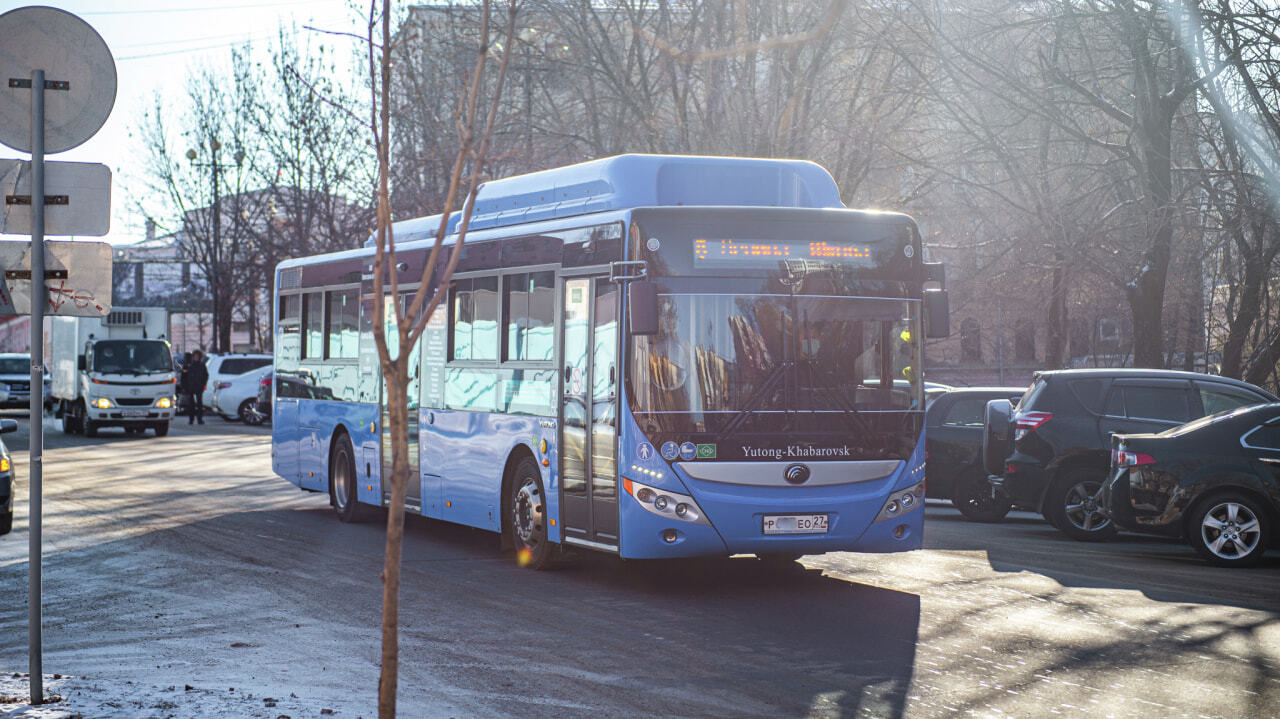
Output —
(340, 479)
(527, 511)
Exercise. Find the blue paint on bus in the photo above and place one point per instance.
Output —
(786, 355)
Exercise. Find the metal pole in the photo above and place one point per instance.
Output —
(38, 298)
(216, 281)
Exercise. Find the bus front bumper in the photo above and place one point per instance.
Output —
(744, 519)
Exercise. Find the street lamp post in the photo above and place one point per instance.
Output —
(215, 258)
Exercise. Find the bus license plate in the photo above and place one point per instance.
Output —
(796, 524)
(133, 413)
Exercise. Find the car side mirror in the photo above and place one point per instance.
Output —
(8, 425)
(937, 314)
(642, 307)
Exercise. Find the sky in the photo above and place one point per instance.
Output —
(154, 43)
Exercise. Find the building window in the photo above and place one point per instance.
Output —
(312, 326)
(475, 319)
(343, 325)
(970, 340)
(1024, 341)
(529, 310)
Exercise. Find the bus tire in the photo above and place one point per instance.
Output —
(342, 481)
(526, 518)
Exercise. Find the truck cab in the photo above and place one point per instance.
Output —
(114, 372)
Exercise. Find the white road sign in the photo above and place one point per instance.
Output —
(77, 278)
(77, 198)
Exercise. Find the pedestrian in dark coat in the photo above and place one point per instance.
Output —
(194, 379)
(184, 399)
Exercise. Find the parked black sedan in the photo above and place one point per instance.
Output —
(1214, 481)
(953, 440)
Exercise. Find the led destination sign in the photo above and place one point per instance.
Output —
(733, 253)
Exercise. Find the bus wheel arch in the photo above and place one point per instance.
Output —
(524, 516)
(519, 453)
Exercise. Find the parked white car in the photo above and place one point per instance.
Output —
(225, 367)
(233, 397)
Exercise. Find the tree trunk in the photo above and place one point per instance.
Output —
(1146, 291)
(398, 413)
(1056, 345)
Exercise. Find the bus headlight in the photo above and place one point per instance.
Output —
(102, 403)
(902, 502)
(665, 503)
(165, 403)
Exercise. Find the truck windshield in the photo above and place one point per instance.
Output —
(131, 356)
(15, 365)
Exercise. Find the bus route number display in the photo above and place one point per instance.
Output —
(767, 253)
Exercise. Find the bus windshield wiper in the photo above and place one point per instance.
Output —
(776, 375)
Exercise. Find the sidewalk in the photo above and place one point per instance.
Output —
(82, 698)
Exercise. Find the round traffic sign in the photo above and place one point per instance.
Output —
(79, 73)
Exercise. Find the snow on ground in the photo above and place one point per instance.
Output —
(83, 698)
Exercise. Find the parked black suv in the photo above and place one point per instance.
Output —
(953, 441)
(1051, 453)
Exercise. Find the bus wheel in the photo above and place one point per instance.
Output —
(342, 481)
(528, 516)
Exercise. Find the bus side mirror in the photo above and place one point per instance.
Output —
(642, 307)
(80, 363)
(937, 314)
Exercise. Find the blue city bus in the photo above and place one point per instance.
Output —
(652, 356)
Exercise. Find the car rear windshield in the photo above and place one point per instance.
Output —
(1034, 391)
(240, 365)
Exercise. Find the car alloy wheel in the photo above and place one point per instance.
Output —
(1230, 530)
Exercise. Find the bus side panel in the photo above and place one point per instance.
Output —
(318, 420)
(284, 440)
(469, 450)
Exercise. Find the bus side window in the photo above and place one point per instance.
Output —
(474, 303)
(289, 334)
(529, 315)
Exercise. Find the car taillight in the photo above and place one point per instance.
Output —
(1027, 422)
(264, 382)
(1129, 459)
(222, 385)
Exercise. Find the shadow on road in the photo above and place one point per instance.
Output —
(1161, 568)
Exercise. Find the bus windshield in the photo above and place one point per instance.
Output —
(732, 354)
(131, 357)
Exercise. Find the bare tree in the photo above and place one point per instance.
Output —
(202, 175)
(474, 134)
(1231, 44)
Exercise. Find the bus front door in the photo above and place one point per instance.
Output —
(588, 411)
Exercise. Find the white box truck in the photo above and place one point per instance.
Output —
(114, 371)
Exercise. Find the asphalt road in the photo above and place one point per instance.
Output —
(184, 560)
